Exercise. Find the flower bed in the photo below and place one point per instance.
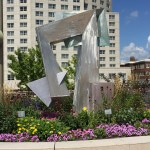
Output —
(101, 131)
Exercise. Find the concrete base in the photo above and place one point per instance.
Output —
(130, 143)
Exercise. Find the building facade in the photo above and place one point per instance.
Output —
(1, 45)
(21, 17)
(139, 69)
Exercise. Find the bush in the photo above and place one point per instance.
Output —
(124, 116)
(147, 114)
(8, 117)
(70, 121)
(41, 128)
(100, 133)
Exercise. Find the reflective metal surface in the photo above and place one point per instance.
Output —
(88, 66)
(80, 28)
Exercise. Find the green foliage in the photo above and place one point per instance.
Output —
(83, 119)
(71, 72)
(8, 118)
(124, 116)
(126, 99)
(41, 128)
(100, 133)
(27, 66)
(147, 114)
(70, 121)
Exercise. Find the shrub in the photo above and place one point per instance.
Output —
(124, 116)
(8, 117)
(70, 121)
(100, 133)
(41, 128)
(147, 114)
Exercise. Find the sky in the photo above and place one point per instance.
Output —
(134, 28)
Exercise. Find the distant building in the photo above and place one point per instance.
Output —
(1, 45)
(21, 17)
(139, 69)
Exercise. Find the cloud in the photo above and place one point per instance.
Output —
(134, 14)
(138, 52)
(148, 43)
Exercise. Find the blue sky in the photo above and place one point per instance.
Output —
(134, 28)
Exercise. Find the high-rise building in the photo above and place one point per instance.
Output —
(1, 45)
(21, 17)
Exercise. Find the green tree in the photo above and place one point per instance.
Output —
(71, 72)
(27, 66)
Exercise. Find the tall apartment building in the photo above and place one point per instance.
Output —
(1, 45)
(21, 17)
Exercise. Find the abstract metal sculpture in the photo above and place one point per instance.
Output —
(81, 28)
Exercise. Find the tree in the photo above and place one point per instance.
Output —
(71, 72)
(27, 66)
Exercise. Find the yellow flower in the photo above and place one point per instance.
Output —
(59, 132)
(47, 122)
(19, 129)
(51, 132)
(19, 132)
(32, 127)
(18, 124)
(35, 130)
(84, 109)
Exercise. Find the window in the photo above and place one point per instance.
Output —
(112, 75)
(102, 52)
(39, 5)
(10, 1)
(107, 5)
(23, 40)
(64, 0)
(10, 49)
(52, 6)
(50, 21)
(10, 25)
(111, 23)
(64, 56)
(10, 77)
(64, 64)
(76, 1)
(112, 58)
(23, 24)
(53, 47)
(38, 13)
(76, 7)
(102, 58)
(23, 48)
(94, 7)
(10, 33)
(24, 16)
(112, 65)
(10, 41)
(112, 44)
(23, 8)
(10, 17)
(76, 48)
(101, 75)
(23, 1)
(64, 7)
(23, 32)
(111, 51)
(112, 38)
(94, 1)
(10, 9)
(63, 47)
(51, 14)
(102, 65)
(111, 17)
(39, 22)
(111, 30)
(101, 2)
